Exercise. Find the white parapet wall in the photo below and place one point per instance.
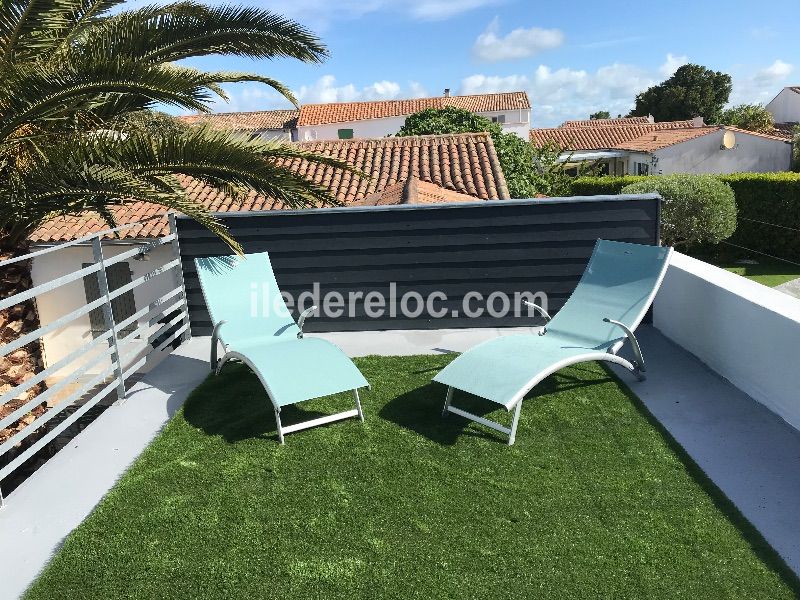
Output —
(746, 332)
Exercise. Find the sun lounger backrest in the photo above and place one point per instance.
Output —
(243, 292)
(619, 283)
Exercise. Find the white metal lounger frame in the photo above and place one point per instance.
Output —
(217, 364)
(637, 366)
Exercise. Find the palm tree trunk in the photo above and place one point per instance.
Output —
(15, 321)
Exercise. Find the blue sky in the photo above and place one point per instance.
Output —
(571, 57)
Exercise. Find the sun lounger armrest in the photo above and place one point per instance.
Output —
(542, 312)
(302, 320)
(637, 351)
(214, 341)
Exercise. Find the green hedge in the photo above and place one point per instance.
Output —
(768, 197)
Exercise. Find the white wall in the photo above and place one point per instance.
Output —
(282, 135)
(746, 332)
(752, 153)
(785, 107)
(373, 128)
(70, 297)
(517, 121)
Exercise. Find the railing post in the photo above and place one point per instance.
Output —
(176, 249)
(108, 315)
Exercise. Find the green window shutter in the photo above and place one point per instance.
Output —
(92, 289)
(123, 306)
(345, 134)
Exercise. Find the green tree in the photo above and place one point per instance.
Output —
(76, 77)
(600, 114)
(691, 92)
(796, 149)
(696, 208)
(551, 176)
(515, 154)
(753, 117)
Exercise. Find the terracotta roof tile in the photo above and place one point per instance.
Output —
(340, 112)
(446, 167)
(784, 130)
(413, 191)
(656, 140)
(606, 122)
(772, 135)
(603, 136)
(247, 121)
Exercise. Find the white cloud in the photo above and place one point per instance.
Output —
(519, 43)
(672, 63)
(775, 72)
(249, 97)
(761, 86)
(318, 14)
(416, 90)
(381, 90)
(561, 94)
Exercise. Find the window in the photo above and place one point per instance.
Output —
(642, 168)
(345, 134)
(499, 119)
(122, 306)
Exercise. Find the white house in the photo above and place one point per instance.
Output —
(346, 120)
(785, 107)
(640, 146)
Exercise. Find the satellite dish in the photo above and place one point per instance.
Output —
(728, 141)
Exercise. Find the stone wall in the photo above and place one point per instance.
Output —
(20, 365)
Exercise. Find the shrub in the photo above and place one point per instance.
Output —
(696, 208)
(772, 198)
(608, 185)
(753, 117)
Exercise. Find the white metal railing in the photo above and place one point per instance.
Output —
(123, 355)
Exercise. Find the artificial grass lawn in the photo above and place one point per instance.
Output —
(769, 274)
(591, 502)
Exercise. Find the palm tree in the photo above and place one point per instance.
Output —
(71, 75)
(77, 78)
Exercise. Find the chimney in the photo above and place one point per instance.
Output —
(698, 122)
(446, 92)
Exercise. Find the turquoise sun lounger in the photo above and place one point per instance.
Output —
(255, 327)
(611, 299)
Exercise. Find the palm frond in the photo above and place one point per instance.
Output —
(188, 29)
(42, 92)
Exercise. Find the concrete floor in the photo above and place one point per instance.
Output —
(790, 287)
(749, 453)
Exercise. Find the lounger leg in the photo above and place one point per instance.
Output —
(280, 427)
(358, 405)
(513, 435)
(447, 400)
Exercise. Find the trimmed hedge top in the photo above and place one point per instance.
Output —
(767, 203)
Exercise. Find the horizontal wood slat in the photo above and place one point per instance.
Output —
(511, 247)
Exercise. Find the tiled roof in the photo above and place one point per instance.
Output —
(795, 88)
(656, 140)
(784, 130)
(602, 137)
(770, 136)
(456, 164)
(247, 121)
(606, 122)
(413, 191)
(340, 112)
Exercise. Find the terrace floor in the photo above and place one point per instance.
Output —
(748, 452)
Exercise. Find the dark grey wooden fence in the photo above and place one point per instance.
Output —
(507, 246)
